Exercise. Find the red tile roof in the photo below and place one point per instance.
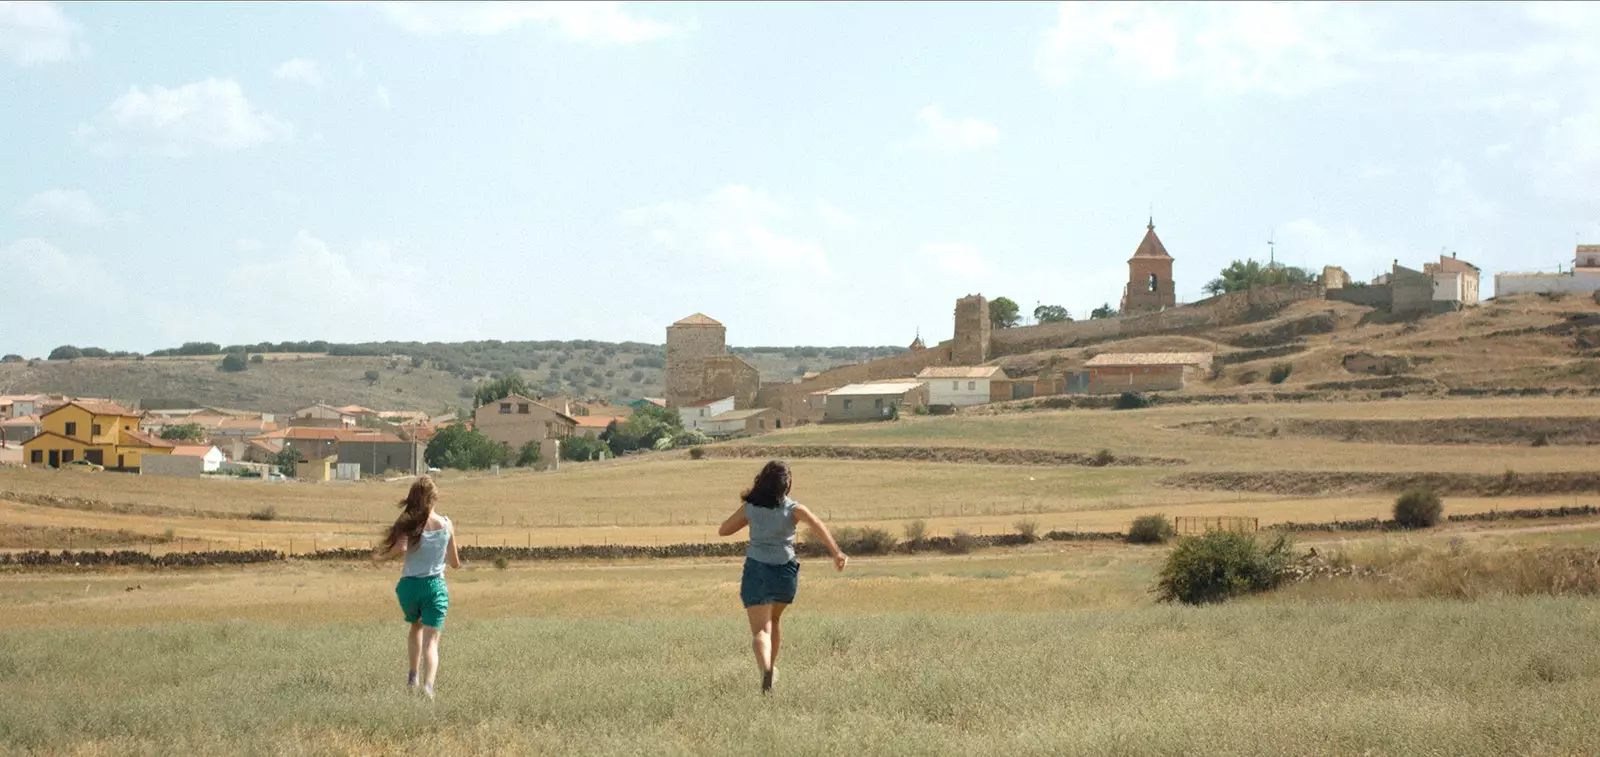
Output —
(309, 433)
(141, 439)
(101, 407)
(698, 319)
(1151, 246)
(192, 450)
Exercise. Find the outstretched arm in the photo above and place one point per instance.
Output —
(803, 514)
(734, 522)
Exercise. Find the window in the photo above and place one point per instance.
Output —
(95, 430)
(847, 404)
(72, 428)
(505, 408)
(972, 386)
(955, 386)
(702, 412)
(1153, 282)
(877, 404)
(38, 457)
(67, 456)
(522, 408)
(762, 424)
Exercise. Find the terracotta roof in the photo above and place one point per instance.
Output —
(1148, 358)
(246, 424)
(330, 434)
(141, 439)
(1150, 246)
(21, 420)
(101, 407)
(598, 421)
(698, 319)
(357, 410)
(960, 372)
(192, 450)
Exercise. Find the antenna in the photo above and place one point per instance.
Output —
(1272, 249)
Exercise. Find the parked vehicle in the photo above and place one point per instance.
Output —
(83, 466)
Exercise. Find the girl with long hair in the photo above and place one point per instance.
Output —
(771, 572)
(428, 542)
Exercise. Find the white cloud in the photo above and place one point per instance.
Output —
(1570, 165)
(599, 22)
(303, 70)
(1369, 171)
(1285, 48)
(735, 225)
(71, 205)
(36, 33)
(837, 218)
(213, 114)
(1496, 150)
(942, 134)
(50, 273)
(956, 260)
(353, 290)
(1458, 200)
(382, 93)
(248, 244)
(1305, 242)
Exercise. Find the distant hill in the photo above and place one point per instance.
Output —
(409, 375)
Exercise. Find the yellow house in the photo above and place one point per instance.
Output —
(97, 431)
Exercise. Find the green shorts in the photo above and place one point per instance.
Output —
(423, 599)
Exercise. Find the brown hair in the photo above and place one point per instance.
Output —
(770, 487)
(413, 519)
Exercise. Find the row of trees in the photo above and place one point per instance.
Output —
(1004, 313)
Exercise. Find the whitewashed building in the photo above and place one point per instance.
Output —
(699, 414)
(211, 457)
(959, 386)
(1583, 278)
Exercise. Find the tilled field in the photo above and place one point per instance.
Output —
(1524, 431)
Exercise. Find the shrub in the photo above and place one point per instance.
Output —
(371, 377)
(697, 453)
(1221, 565)
(962, 542)
(1418, 508)
(1541, 439)
(1151, 529)
(865, 541)
(1280, 373)
(1103, 458)
(501, 563)
(1028, 527)
(916, 531)
(529, 454)
(1132, 401)
(1249, 377)
(233, 362)
(266, 513)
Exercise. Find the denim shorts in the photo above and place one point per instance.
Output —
(765, 583)
(423, 599)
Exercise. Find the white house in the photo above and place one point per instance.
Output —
(959, 385)
(697, 415)
(18, 405)
(212, 457)
(1583, 278)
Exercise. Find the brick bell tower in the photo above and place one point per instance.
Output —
(1149, 276)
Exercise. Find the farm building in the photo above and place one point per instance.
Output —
(696, 415)
(874, 402)
(959, 386)
(211, 458)
(743, 423)
(1113, 373)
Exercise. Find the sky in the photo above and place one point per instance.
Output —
(809, 174)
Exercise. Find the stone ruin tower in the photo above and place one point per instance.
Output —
(689, 343)
(971, 344)
(1149, 276)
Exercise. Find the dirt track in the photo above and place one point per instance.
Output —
(1313, 483)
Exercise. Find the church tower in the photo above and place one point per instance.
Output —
(1149, 276)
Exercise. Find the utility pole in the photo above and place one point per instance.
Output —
(1272, 249)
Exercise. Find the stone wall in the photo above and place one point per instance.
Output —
(1412, 292)
(687, 346)
(973, 331)
(790, 399)
(729, 376)
(1374, 296)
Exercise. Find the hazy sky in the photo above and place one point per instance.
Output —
(826, 173)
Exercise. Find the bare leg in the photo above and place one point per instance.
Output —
(430, 656)
(761, 635)
(414, 645)
(777, 631)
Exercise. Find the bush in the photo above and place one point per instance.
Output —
(916, 531)
(1132, 401)
(1541, 439)
(1028, 527)
(1280, 373)
(1151, 529)
(865, 541)
(501, 563)
(65, 352)
(529, 454)
(580, 449)
(1418, 508)
(1102, 458)
(1219, 566)
(697, 453)
(266, 513)
(1249, 377)
(233, 362)
(962, 542)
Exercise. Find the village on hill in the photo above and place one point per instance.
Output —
(1256, 330)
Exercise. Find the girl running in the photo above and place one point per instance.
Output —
(428, 541)
(771, 573)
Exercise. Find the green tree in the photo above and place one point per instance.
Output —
(12, 359)
(530, 454)
(187, 432)
(1104, 311)
(1241, 275)
(463, 448)
(581, 449)
(1004, 313)
(286, 460)
(233, 362)
(371, 377)
(649, 425)
(1050, 314)
(499, 389)
(65, 352)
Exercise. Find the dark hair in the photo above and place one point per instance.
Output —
(771, 485)
(418, 506)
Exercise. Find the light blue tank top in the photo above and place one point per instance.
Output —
(425, 559)
(771, 533)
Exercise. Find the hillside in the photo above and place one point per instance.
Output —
(410, 376)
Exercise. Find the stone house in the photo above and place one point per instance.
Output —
(959, 386)
(377, 454)
(517, 420)
(1114, 373)
(876, 401)
(1454, 280)
(323, 416)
